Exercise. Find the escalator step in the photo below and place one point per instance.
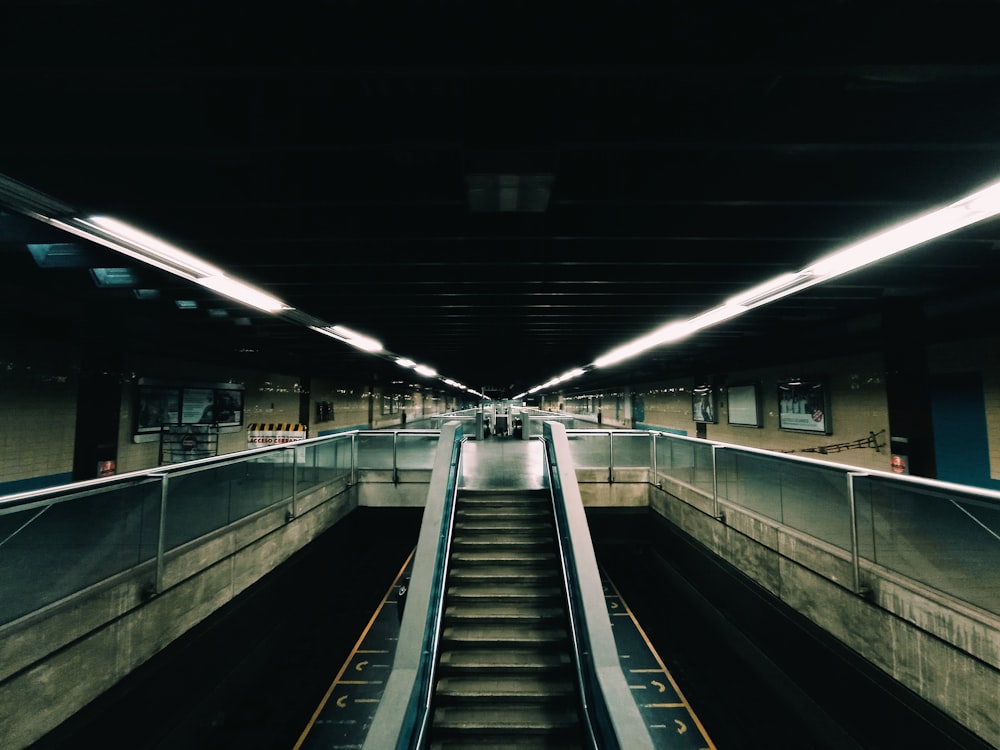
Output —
(492, 523)
(506, 659)
(507, 611)
(501, 573)
(520, 539)
(522, 742)
(513, 633)
(505, 592)
(501, 556)
(476, 689)
(504, 719)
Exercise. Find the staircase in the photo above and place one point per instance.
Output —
(505, 675)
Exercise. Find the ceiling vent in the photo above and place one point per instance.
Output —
(508, 193)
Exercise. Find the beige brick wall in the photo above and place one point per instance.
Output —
(857, 398)
(38, 389)
(37, 436)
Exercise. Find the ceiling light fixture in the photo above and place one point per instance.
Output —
(975, 207)
(355, 339)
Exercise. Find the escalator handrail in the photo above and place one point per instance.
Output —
(403, 715)
(609, 707)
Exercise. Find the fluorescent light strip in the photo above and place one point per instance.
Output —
(237, 290)
(142, 246)
(146, 248)
(979, 206)
(346, 335)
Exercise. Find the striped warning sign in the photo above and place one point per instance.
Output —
(261, 434)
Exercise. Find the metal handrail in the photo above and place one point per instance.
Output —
(402, 718)
(612, 715)
(569, 586)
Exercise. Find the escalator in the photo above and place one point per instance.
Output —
(505, 672)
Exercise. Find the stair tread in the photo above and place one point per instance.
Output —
(514, 610)
(505, 718)
(505, 539)
(498, 572)
(505, 590)
(506, 633)
(505, 659)
(504, 686)
(526, 556)
(520, 742)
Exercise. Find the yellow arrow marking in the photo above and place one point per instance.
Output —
(360, 665)
(660, 686)
(614, 605)
(681, 727)
(342, 701)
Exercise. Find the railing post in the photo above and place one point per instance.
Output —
(656, 475)
(290, 515)
(715, 485)
(161, 534)
(611, 457)
(855, 552)
(354, 459)
(395, 470)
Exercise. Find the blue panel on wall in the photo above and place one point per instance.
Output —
(34, 483)
(961, 446)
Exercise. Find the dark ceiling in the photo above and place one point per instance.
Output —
(502, 195)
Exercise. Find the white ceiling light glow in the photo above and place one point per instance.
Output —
(237, 290)
(355, 339)
(978, 206)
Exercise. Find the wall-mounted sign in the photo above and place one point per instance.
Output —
(803, 406)
(261, 435)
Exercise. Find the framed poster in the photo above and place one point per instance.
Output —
(157, 407)
(744, 405)
(161, 403)
(803, 406)
(703, 404)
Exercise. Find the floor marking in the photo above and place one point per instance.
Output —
(664, 705)
(350, 657)
(684, 701)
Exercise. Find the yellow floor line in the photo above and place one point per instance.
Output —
(350, 657)
(684, 701)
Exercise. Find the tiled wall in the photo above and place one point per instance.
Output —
(858, 407)
(38, 388)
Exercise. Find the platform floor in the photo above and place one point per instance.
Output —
(503, 463)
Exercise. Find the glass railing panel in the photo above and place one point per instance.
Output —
(815, 500)
(950, 543)
(319, 463)
(751, 481)
(198, 503)
(685, 461)
(589, 450)
(632, 450)
(52, 551)
(416, 451)
(266, 480)
(375, 450)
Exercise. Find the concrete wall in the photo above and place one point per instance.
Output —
(946, 652)
(55, 661)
